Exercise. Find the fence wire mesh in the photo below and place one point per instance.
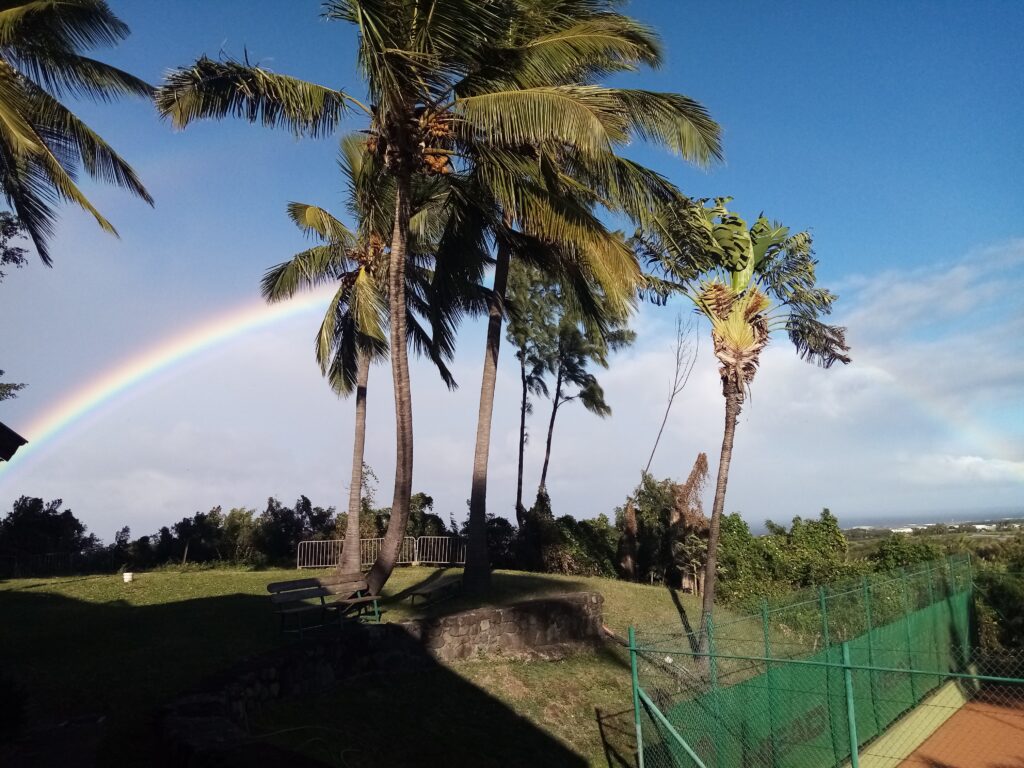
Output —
(861, 674)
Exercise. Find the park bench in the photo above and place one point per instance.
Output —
(434, 591)
(345, 594)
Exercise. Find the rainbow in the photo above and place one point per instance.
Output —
(43, 429)
(211, 332)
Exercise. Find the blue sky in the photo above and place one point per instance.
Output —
(892, 131)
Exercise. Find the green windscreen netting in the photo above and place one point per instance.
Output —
(782, 686)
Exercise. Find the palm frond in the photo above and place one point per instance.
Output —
(26, 188)
(425, 344)
(818, 342)
(674, 121)
(313, 220)
(311, 268)
(70, 25)
(217, 89)
(587, 118)
(77, 76)
(367, 306)
(60, 127)
(578, 52)
(591, 395)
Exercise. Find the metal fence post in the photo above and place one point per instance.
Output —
(871, 653)
(931, 589)
(851, 712)
(968, 652)
(823, 603)
(715, 693)
(906, 624)
(636, 699)
(768, 677)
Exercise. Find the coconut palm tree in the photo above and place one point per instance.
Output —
(501, 95)
(353, 332)
(747, 282)
(531, 306)
(557, 52)
(569, 361)
(42, 143)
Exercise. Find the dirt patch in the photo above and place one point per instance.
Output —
(983, 734)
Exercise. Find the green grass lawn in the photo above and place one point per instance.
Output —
(93, 644)
(492, 713)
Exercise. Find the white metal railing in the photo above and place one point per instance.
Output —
(319, 554)
(436, 550)
(441, 550)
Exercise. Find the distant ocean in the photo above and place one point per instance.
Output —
(897, 519)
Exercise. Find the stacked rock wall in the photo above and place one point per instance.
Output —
(217, 714)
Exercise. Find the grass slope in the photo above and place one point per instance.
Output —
(93, 644)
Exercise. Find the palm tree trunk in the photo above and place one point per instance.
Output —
(733, 402)
(477, 577)
(392, 544)
(350, 560)
(551, 430)
(520, 511)
(627, 543)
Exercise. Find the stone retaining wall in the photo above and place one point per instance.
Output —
(545, 627)
(217, 714)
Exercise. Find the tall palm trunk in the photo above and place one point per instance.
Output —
(392, 544)
(733, 403)
(520, 511)
(478, 568)
(627, 543)
(556, 401)
(350, 560)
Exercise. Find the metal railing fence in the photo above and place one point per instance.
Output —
(441, 550)
(433, 550)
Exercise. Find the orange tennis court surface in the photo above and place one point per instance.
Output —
(981, 735)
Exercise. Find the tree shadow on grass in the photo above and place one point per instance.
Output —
(432, 578)
(691, 636)
(427, 717)
(507, 587)
(119, 663)
(618, 737)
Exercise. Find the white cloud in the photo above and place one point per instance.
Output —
(927, 417)
(955, 470)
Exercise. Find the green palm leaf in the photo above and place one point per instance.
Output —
(314, 220)
(587, 118)
(674, 121)
(77, 76)
(70, 25)
(309, 269)
(218, 89)
(42, 143)
(58, 125)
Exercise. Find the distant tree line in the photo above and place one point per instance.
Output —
(660, 527)
(40, 536)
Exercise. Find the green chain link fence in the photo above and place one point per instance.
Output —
(858, 674)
